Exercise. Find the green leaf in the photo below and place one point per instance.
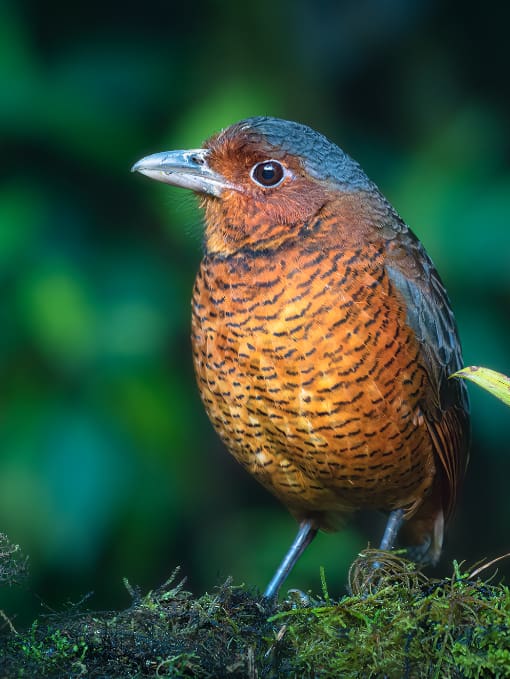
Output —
(495, 383)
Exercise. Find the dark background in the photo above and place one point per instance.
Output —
(108, 465)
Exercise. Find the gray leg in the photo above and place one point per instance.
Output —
(305, 535)
(395, 520)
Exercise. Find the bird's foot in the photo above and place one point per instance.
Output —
(420, 554)
(300, 599)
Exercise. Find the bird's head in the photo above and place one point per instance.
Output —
(261, 181)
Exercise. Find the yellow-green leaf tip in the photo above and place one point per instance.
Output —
(495, 383)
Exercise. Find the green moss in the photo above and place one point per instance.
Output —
(395, 623)
(51, 650)
(401, 624)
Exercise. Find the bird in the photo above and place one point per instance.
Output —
(322, 336)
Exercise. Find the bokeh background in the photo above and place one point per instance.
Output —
(108, 465)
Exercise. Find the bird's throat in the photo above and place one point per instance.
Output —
(227, 232)
(343, 222)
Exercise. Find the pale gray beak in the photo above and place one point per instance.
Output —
(188, 169)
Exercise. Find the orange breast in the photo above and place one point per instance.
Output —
(312, 378)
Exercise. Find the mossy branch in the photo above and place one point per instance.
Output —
(396, 623)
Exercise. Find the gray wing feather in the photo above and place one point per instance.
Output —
(429, 314)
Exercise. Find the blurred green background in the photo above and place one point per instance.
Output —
(108, 464)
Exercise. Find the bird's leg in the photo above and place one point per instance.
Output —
(306, 533)
(395, 520)
(393, 525)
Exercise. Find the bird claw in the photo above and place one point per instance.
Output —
(300, 599)
(420, 553)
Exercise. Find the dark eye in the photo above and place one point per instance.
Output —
(268, 173)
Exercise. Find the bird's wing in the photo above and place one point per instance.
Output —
(430, 316)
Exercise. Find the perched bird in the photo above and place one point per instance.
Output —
(322, 335)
